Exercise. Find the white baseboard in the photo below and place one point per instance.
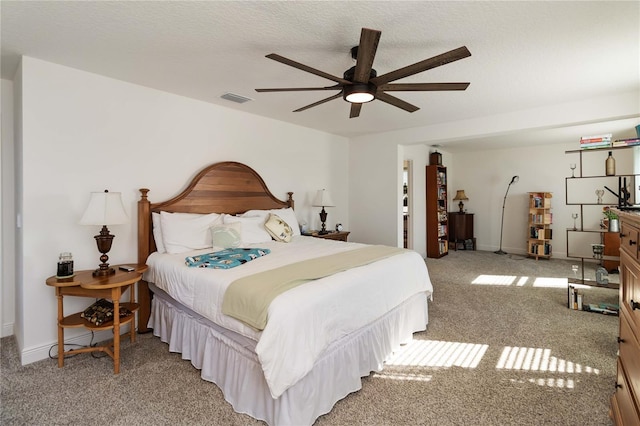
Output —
(7, 330)
(38, 353)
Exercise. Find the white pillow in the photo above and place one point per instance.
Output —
(157, 232)
(286, 214)
(252, 231)
(278, 228)
(157, 229)
(226, 235)
(185, 232)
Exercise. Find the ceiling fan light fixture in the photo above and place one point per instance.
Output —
(359, 93)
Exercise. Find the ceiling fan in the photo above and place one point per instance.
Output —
(361, 84)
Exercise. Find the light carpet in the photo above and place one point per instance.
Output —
(501, 348)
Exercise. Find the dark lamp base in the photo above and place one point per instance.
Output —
(500, 252)
(100, 272)
(323, 232)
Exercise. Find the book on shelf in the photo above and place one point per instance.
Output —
(594, 145)
(540, 233)
(626, 142)
(596, 138)
(575, 298)
(596, 141)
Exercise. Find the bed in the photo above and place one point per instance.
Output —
(320, 337)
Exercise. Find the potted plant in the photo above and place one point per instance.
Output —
(612, 217)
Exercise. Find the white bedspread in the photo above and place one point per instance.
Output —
(303, 321)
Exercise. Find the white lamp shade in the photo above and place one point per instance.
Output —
(323, 199)
(105, 208)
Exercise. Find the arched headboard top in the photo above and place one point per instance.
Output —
(227, 187)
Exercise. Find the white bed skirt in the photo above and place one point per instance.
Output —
(229, 361)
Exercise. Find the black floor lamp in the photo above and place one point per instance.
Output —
(513, 180)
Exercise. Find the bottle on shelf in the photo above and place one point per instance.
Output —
(610, 165)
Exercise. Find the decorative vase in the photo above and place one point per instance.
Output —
(614, 225)
(610, 165)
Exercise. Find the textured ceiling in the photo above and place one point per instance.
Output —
(524, 54)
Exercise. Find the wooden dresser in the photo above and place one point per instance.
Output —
(625, 402)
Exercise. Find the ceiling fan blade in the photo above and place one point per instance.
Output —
(392, 100)
(355, 110)
(306, 68)
(297, 89)
(422, 87)
(418, 67)
(330, 98)
(366, 53)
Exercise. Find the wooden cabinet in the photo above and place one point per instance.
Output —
(461, 230)
(540, 220)
(625, 402)
(437, 218)
(611, 242)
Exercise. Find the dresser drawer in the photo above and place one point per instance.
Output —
(630, 290)
(623, 408)
(629, 239)
(629, 355)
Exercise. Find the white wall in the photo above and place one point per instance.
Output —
(7, 233)
(83, 132)
(483, 174)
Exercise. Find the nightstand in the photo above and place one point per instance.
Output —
(461, 230)
(332, 235)
(84, 284)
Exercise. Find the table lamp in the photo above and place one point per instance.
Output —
(323, 199)
(105, 208)
(460, 196)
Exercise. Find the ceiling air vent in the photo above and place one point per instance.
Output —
(235, 98)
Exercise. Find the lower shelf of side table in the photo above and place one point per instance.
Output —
(75, 320)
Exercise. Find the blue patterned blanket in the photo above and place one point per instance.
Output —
(225, 259)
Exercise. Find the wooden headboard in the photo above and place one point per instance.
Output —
(226, 187)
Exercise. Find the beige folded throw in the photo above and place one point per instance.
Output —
(247, 299)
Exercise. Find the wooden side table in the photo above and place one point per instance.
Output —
(332, 235)
(461, 229)
(84, 284)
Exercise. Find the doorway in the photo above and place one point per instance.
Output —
(406, 204)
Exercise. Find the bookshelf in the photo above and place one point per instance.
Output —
(540, 220)
(590, 211)
(437, 216)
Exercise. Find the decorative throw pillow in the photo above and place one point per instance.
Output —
(252, 230)
(228, 235)
(278, 228)
(287, 214)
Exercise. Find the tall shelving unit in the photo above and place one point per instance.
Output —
(437, 224)
(580, 227)
(540, 221)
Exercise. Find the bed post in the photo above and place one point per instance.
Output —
(144, 230)
(290, 201)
